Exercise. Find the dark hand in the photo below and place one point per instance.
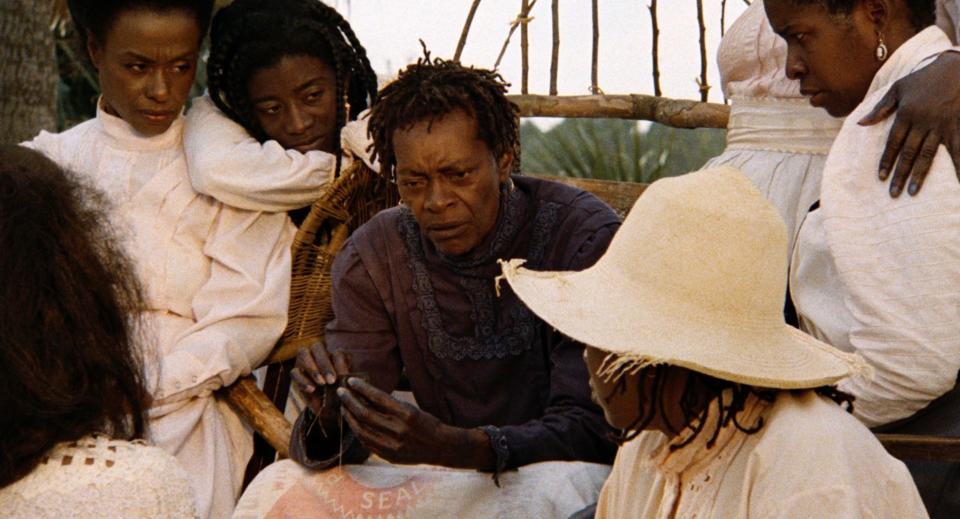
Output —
(317, 368)
(401, 433)
(928, 115)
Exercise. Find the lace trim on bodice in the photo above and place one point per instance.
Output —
(493, 336)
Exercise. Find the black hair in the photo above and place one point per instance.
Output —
(249, 35)
(700, 392)
(430, 89)
(95, 18)
(922, 12)
(69, 365)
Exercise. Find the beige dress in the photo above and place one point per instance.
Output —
(217, 283)
(810, 459)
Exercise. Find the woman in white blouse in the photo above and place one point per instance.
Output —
(71, 377)
(216, 278)
(872, 274)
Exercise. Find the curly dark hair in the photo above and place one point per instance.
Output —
(96, 17)
(922, 12)
(430, 89)
(68, 363)
(700, 392)
(249, 35)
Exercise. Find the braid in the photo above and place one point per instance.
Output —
(430, 89)
(249, 35)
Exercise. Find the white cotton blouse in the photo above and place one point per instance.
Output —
(226, 163)
(809, 459)
(887, 271)
(774, 136)
(217, 284)
(102, 478)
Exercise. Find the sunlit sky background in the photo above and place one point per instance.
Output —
(389, 29)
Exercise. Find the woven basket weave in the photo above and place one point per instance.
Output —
(352, 199)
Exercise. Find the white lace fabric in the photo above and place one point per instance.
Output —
(103, 478)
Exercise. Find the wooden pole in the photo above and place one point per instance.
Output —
(522, 19)
(921, 448)
(466, 30)
(723, 17)
(704, 86)
(678, 113)
(524, 49)
(655, 48)
(595, 58)
(259, 412)
(555, 54)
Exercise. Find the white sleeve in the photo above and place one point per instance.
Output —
(241, 309)
(226, 163)
(899, 262)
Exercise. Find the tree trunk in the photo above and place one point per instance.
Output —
(28, 74)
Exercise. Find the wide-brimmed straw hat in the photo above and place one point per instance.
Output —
(696, 278)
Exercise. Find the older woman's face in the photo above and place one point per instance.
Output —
(450, 180)
(831, 54)
(146, 62)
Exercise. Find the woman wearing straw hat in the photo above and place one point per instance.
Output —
(723, 408)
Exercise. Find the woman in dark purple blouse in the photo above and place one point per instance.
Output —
(414, 292)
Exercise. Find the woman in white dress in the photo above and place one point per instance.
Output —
(872, 274)
(71, 377)
(216, 278)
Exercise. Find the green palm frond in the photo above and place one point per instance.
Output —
(614, 149)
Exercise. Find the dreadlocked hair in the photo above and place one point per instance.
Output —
(700, 393)
(250, 35)
(430, 89)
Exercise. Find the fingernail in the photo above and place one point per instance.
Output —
(883, 173)
(319, 378)
(331, 379)
(895, 190)
(913, 189)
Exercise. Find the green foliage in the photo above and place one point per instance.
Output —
(614, 149)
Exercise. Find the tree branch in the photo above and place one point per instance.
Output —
(655, 48)
(595, 58)
(704, 86)
(466, 30)
(555, 54)
(678, 113)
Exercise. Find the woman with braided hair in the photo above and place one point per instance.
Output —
(287, 80)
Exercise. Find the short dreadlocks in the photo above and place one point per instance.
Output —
(430, 89)
(249, 35)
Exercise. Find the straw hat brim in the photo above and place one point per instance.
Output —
(596, 307)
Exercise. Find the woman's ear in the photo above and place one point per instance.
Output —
(877, 12)
(505, 165)
(95, 49)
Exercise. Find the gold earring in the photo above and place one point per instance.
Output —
(346, 105)
(881, 52)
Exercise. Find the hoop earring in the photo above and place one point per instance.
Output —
(346, 106)
(881, 52)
